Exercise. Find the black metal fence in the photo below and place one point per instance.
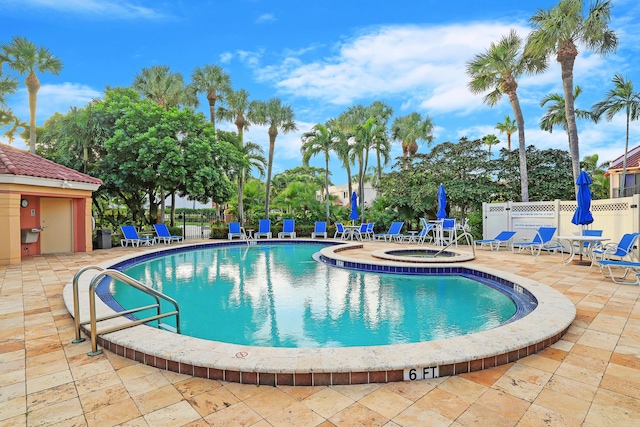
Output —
(196, 225)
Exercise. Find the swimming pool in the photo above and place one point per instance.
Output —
(351, 365)
(276, 295)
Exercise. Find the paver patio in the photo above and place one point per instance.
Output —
(591, 377)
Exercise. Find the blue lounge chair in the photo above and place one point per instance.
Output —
(628, 267)
(361, 233)
(264, 229)
(619, 251)
(163, 235)
(288, 229)
(448, 232)
(494, 244)
(543, 240)
(130, 235)
(339, 230)
(235, 230)
(320, 229)
(370, 232)
(393, 233)
(427, 231)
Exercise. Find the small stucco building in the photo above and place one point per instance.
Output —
(631, 185)
(44, 207)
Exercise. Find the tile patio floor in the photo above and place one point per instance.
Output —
(590, 378)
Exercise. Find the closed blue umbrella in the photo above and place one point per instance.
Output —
(442, 203)
(354, 207)
(582, 215)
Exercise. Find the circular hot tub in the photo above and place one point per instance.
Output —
(424, 255)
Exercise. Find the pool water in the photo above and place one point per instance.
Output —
(276, 295)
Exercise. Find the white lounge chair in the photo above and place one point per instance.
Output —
(288, 229)
(320, 230)
(264, 229)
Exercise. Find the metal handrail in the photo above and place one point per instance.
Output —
(93, 319)
(76, 301)
(470, 241)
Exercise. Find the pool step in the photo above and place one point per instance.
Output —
(168, 328)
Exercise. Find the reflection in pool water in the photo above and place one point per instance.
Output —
(277, 295)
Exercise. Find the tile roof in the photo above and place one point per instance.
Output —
(633, 159)
(19, 162)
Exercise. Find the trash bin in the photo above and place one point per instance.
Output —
(103, 239)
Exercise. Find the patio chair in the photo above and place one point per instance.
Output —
(235, 230)
(426, 233)
(162, 234)
(339, 230)
(628, 267)
(618, 251)
(361, 233)
(393, 233)
(264, 229)
(449, 232)
(587, 247)
(320, 229)
(494, 244)
(130, 235)
(542, 240)
(370, 232)
(288, 229)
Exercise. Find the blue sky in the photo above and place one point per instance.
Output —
(320, 57)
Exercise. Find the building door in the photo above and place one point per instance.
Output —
(56, 218)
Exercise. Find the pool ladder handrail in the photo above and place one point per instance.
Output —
(93, 319)
(470, 241)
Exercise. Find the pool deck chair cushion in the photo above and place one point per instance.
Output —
(340, 231)
(543, 240)
(619, 251)
(235, 230)
(393, 233)
(264, 229)
(130, 235)
(494, 244)
(163, 235)
(320, 230)
(288, 229)
(606, 268)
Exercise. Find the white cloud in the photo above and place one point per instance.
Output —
(266, 17)
(52, 99)
(111, 9)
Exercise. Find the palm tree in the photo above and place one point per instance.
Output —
(556, 31)
(409, 130)
(237, 111)
(555, 115)
(25, 57)
(490, 140)
(497, 70)
(253, 156)
(621, 97)
(277, 116)
(341, 146)
(382, 113)
(163, 87)
(214, 82)
(508, 127)
(319, 140)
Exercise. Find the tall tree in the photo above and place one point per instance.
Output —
(319, 140)
(213, 81)
(382, 113)
(621, 97)
(253, 156)
(165, 88)
(342, 147)
(237, 110)
(25, 57)
(497, 71)
(276, 116)
(490, 140)
(507, 127)
(409, 130)
(555, 114)
(557, 31)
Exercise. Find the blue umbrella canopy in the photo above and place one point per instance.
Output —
(442, 202)
(582, 215)
(354, 207)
